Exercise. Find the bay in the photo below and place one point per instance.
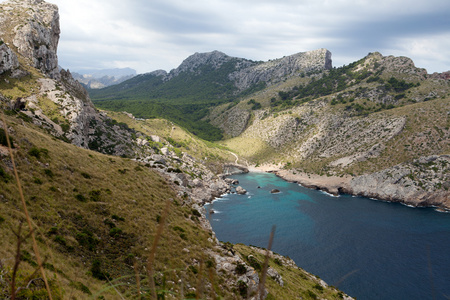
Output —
(369, 249)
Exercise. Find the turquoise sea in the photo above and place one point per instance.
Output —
(367, 248)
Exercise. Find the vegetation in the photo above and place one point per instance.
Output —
(89, 217)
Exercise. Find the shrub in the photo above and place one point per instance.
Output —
(254, 262)
(81, 198)
(49, 173)
(178, 228)
(86, 175)
(240, 269)
(34, 152)
(60, 240)
(95, 195)
(97, 271)
(115, 231)
(117, 218)
(278, 261)
(37, 180)
(196, 213)
(193, 269)
(3, 140)
(5, 177)
(242, 288)
(87, 239)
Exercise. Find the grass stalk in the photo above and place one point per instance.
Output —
(151, 257)
(19, 186)
(262, 281)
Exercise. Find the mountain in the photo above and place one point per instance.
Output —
(113, 206)
(97, 79)
(203, 80)
(379, 127)
(367, 121)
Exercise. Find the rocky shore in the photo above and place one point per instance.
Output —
(424, 182)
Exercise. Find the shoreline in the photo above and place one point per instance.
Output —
(336, 186)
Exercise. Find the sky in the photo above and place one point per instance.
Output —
(148, 35)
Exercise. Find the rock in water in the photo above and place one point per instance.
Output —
(240, 190)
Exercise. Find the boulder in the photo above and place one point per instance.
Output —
(275, 191)
(240, 190)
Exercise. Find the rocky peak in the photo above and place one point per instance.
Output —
(32, 27)
(275, 70)
(215, 59)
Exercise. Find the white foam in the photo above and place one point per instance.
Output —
(329, 194)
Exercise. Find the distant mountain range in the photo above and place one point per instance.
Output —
(97, 79)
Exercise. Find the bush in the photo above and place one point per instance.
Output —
(49, 173)
(254, 262)
(4, 141)
(38, 152)
(278, 261)
(86, 175)
(242, 288)
(196, 213)
(240, 269)
(95, 195)
(117, 218)
(97, 271)
(81, 198)
(5, 177)
(115, 231)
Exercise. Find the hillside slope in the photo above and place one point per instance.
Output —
(362, 119)
(203, 80)
(111, 225)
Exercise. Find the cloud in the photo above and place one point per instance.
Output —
(159, 34)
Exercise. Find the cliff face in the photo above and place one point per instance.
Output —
(247, 73)
(34, 25)
(30, 32)
(275, 70)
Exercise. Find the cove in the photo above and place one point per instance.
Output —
(369, 249)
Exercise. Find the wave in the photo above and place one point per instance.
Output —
(329, 194)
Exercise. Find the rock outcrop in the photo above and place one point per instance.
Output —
(8, 59)
(249, 73)
(422, 182)
(32, 26)
(275, 70)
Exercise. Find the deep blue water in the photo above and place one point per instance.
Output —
(369, 249)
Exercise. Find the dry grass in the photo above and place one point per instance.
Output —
(80, 200)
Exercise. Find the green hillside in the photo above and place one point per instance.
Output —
(184, 99)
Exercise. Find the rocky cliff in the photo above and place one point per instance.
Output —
(50, 97)
(247, 73)
(366, 120)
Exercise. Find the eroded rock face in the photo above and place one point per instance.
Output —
(33, 28)
(275, 70)
(422, 182)
(8, 59)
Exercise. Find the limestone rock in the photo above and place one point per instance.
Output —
(8, 59)
(271, 272)
(240, 190)
(422, 182)
(35, 32)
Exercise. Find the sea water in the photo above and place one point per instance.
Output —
(369, 249)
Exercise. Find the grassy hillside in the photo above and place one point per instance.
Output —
(96, 218)
(96, 215)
